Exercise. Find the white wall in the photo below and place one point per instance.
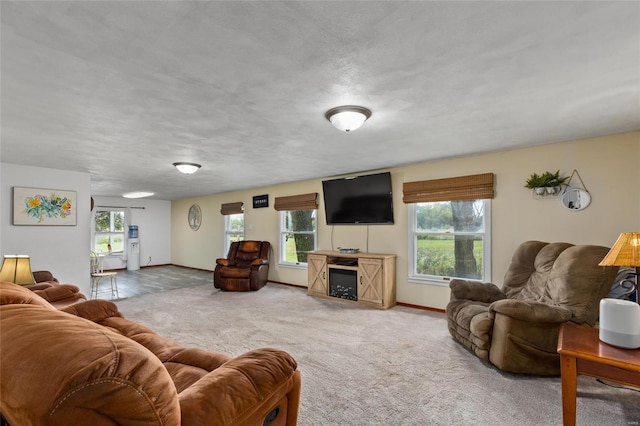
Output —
(153, 218)
(607, 166)
(61, 249)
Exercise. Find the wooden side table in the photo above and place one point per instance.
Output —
(582, 352)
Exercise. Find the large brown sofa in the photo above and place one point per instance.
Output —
(516, 327)
(87, 365)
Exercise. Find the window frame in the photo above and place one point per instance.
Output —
(282, 214)
(229, 233)
(414, 277)
(111, 234)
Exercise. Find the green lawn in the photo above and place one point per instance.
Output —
(437, 257)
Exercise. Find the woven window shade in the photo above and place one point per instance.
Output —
(297, 202)
(232, 208)
(472, 187)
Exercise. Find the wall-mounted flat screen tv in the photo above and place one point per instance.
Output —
(362, 199)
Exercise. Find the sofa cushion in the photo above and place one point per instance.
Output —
(102, 377)
(11, 293)
(230, 272)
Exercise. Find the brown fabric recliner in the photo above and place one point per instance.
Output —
(49, 288)
(87, 365)
(516, 327)
(245, 268)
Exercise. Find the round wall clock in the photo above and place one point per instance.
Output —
(194, 217)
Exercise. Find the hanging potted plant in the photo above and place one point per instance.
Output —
(546, 183)
(553, 181)
(536, 183)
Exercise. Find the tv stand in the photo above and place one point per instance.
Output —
(346, 262)
(361, 278)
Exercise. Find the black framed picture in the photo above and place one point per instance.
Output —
(260, 201)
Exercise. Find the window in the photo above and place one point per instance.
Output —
(233, 223)
(233, 229)
(450, 239)
(449, 228)
(109, 231)
(298, 227)
(298, 235)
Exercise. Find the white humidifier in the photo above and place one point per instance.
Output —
(620, 323)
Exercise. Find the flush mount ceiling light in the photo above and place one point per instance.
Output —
(187, 168)
(348, 117)
(139, 194)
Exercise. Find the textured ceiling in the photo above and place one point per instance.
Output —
(121, 90)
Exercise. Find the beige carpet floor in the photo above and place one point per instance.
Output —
(363, 366)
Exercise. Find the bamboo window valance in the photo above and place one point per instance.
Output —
(297, 202)
(232, 208)
(472, 187)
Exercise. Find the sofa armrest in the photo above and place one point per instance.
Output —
(530, 311)
(246, 388)
(59, 292)
(474, 290)
(95, 310)
(38, 286)
(44, 276)
(222, 262)
(259, 262)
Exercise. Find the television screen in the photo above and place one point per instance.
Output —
(362, 199)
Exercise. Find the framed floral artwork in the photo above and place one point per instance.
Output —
(36, 206)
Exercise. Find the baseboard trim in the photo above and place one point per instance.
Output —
(288, 284)
(423, 308)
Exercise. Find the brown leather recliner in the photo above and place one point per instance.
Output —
(516, 327)
(87, 365)
(245, 268)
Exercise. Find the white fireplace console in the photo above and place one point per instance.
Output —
(362, 278)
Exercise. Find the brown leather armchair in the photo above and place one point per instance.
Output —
(516, 327)
(245, 268)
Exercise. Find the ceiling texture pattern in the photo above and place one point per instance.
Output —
(121, 90)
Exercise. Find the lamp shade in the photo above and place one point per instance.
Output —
(625, 251)
(187, 168)
(16, 269)
(348, 117)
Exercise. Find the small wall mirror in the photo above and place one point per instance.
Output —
(575, 198)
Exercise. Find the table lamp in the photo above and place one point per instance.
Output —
(17, 269)
(620, 319)
(626, 252)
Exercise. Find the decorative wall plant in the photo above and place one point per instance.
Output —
(546, 183)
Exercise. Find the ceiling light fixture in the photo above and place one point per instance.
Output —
(348, 117)
(139, 194)
(187, 168)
